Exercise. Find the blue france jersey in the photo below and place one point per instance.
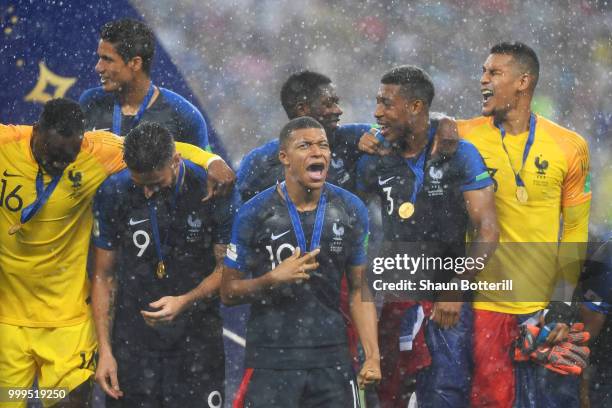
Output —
(596, 280)
(440, 213)
(260, 168)
(188, 233)
(184, 121)
(298, 325)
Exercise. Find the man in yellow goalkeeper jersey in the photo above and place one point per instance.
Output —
(50, 173)
(542, 197)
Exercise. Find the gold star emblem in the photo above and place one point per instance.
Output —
(46, 81)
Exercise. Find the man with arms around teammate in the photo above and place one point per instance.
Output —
(51, 173)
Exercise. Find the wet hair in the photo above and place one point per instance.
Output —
(524, 56)
(303, 122)
(148, 147)
(131, 38)
(413, 81)
(64, 116)
(302, 86)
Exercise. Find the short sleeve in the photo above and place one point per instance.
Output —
(196, 128)
(106, 209)
(361, 234)
(195, 154)
(475, 175)
(366, 173)
(225, 210)
(350, 134)
(245, 174)
(239, 251)
(192, 125)
(577, 182)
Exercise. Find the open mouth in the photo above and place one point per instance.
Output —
(383, 129)
(316, 171)
(486, 95)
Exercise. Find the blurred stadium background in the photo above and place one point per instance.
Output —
(235, 54)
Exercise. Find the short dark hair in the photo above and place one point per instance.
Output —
(413, 81)
(302, 86)
(303, 122)
(523, 54)
(64, 116)
(148, 147)
(131, 38)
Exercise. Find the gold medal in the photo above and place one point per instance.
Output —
(161, 270)
(14, 228)
(406, 210)
(521, 194)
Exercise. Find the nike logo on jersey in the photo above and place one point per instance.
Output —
(105, 129)
(7, 174)
(385, 181)
(275, 237)
(132, 222)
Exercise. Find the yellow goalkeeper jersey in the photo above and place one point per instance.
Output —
(43, 276)
(556, 175)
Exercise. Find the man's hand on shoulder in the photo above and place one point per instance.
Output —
(220, 181)
(446, 138)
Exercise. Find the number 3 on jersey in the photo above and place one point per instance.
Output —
(389, 200)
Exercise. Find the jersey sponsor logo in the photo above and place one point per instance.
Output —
(337, 164)
(7, 174)
(133, 222)
(194, 222)
(435, 174)
(232, 252)
(338, 231)
(382, 182)
(435, 188)
(75, 177)
(541, 165)
(103, 129)
(336, 244)
(275, 237)
(96, 228)
(194, 231)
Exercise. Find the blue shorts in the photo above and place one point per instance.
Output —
(170, 380)
(447, 381)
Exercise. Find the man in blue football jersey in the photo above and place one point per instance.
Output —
(128, 95)
(160, 337)
(595, 310)
(291, 246)
(306, 93)
(430, 200)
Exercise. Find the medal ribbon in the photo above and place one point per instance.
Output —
(141, 111)
(297, 225)
(530, 139)
(153, 215)
(417, 165)
(42, 196)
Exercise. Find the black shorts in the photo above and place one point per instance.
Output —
(330, 387)
(177, 380)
